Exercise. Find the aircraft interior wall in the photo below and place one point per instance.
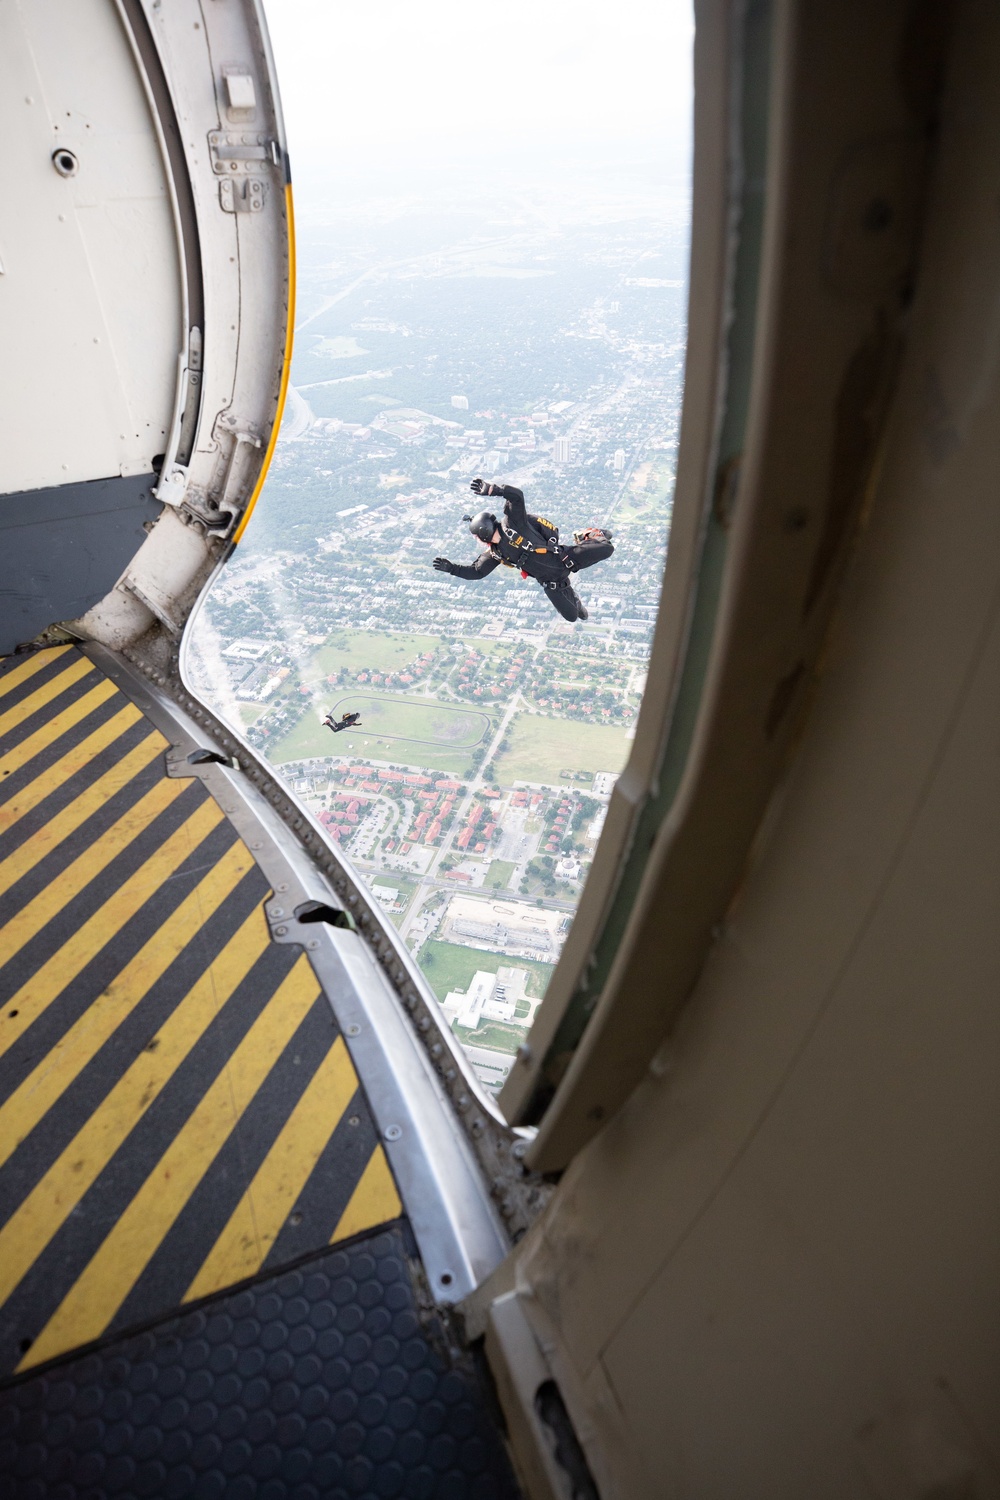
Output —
(774, 1272)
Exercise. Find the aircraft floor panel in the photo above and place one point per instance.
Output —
(329, 1380)
(178, 1109)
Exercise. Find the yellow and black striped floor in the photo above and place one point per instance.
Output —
(178, 1112)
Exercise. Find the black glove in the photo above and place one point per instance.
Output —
(480, 487)
(443, 565)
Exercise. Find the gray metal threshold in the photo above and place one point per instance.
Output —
(458, 1231)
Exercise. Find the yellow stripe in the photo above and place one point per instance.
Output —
(286, 370)
(28, 668)
(53, 728)
(63, 823)
(32, 917)
(44, 694)
(51, 979)
(37, 1093)
(262, 1212)
(54, 1198)
(102, 1287)
(374, 1200)
(74, 760)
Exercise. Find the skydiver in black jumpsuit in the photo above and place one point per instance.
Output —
(532, 544)
(347, 722)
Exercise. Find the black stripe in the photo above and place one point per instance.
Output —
(121, 947)
(56, 801)
(205, 1215)
(39, 716)
(16, 781)
(85, 1095)
(70, 918)
(328, 1191)
(49, 870)
(33, 1302)
(52, 668)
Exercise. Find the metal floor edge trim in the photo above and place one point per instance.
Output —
(456, 1227)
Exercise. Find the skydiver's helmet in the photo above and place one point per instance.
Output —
(484, 526)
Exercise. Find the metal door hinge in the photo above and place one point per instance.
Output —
(238, 153)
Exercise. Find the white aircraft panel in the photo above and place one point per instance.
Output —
(91, 311)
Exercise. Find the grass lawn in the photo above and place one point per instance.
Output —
(499, 873)
(648, 491)
(251, 712)
(496, 1034)
(449, 966)
(394, 728)
(541, 748)
(372, 649)
(424, 721)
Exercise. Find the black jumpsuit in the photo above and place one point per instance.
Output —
(347, 722)
(531, 543)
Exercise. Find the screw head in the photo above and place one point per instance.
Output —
(280, 931)
(393, 1132)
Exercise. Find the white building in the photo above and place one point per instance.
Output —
(490, 997)
(466, 1006)
(460, 403)
(619, 460)
(560, 450)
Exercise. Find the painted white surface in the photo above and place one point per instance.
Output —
(90, 299)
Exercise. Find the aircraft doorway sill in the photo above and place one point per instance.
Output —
(432, 1120)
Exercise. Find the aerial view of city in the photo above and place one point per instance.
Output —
(535, 338)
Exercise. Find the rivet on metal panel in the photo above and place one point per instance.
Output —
(393, 1132)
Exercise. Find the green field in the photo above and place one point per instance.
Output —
(449, 966)
(496, 1034)
(650, 486)
(540, 748)
(395, 728)
(424, 721)
(358, 650)
(499, 873)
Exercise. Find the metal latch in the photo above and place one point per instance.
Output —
(242, 158)
(242, 195)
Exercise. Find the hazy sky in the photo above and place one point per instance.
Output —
(388, 77)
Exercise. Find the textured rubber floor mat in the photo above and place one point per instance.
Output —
(321, 1383)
